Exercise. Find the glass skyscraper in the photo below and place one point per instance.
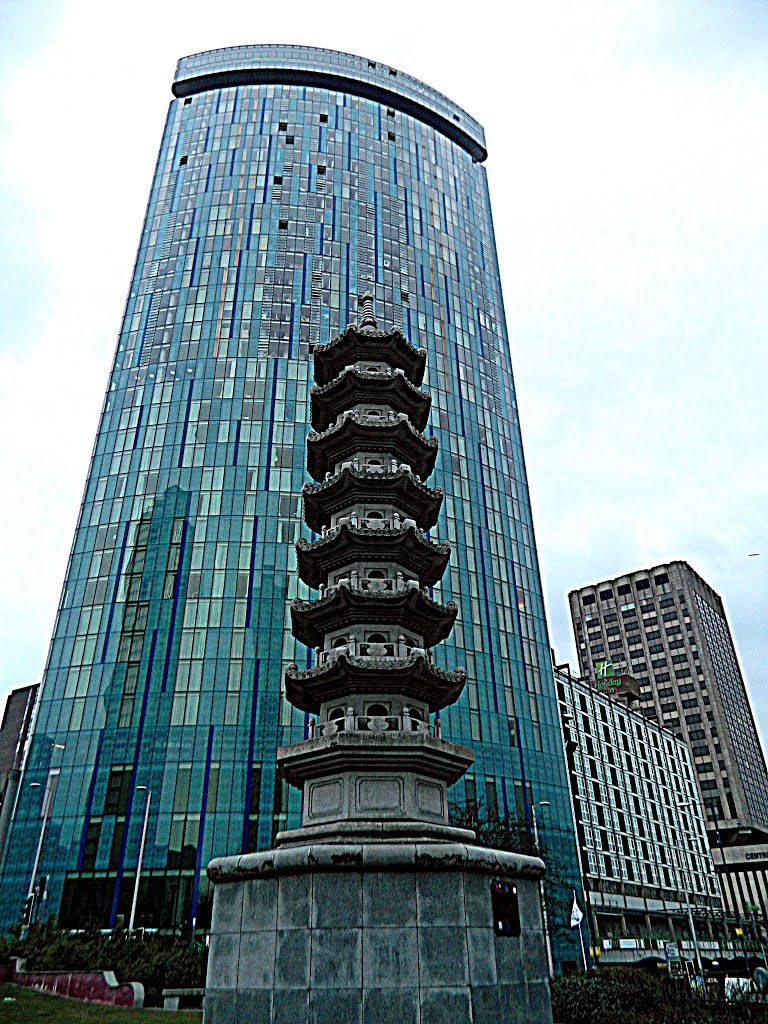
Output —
(290, 180)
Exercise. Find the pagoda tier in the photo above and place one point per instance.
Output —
(356, 345)
(360, 486)
(342, 675)
(346, 544)
(357, 386)
(344, 606)
(393, 753)
(390, 435)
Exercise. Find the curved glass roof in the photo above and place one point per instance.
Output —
(330, 69)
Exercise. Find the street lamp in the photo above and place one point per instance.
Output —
(141, 855)
(684, 878)
(543, 804)
(50, 791)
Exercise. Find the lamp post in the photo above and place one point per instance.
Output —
(45, 811)
(141, 855)
(543, 804)
(686, 888)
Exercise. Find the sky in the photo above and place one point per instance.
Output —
(628, 161)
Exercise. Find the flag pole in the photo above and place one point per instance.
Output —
(576, 918)
(583, 950)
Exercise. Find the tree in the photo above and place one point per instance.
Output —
(512, 832)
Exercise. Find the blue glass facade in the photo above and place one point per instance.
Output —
(289, 181)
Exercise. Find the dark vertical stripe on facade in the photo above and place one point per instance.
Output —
(479, 330)
(145, 312)
(234, 317)
(266, 193)
(138, 428)
(479, 538)
(201, 830)
(176, 592)
(504, 796)
(268, 459)
(89, 800)
(459, 396)
(251, 748)
(250, 227)
(523, 775)
(176, 184)
(118, 574)
(251, 572)
(129, 807)
(183, 444)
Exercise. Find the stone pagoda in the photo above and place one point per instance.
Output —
(374, 764)
(375, 909)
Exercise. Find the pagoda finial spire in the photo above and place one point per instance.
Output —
(366, 306)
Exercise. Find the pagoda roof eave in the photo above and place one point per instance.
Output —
(400, 487)
(355, 433)
(343, 606)
(356, 344)
(354, 386)
(413, 676)
(345, 544)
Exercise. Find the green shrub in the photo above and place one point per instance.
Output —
(157, 961)
(612, 994)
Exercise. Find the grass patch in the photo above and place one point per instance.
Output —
(35, 1008)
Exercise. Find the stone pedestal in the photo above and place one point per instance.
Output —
(371, 933)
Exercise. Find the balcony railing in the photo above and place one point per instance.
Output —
(376, 724)
(373, 586)
(370, 649)
(393, 522)
(391, 466)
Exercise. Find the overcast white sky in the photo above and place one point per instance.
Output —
(628, 164)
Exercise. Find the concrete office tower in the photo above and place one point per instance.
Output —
(667, 627)
(289, 179)
(14, 730)
(17, 718)
(376, 908)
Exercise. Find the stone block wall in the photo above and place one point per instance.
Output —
(374, 946)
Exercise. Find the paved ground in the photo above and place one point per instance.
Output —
(34, 1008)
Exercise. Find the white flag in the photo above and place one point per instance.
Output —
(576, 915)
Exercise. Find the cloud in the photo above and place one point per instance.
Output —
(627, 168)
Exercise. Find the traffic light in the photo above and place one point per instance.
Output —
(26, 909)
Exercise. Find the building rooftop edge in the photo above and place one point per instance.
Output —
(264, 64)
(580, 683)
(649, 569)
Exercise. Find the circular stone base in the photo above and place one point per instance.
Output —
(362, 933)
(377, 856)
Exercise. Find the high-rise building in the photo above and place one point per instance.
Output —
(667, 627)
(14, 728)
(646, 862)
(289, 181)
